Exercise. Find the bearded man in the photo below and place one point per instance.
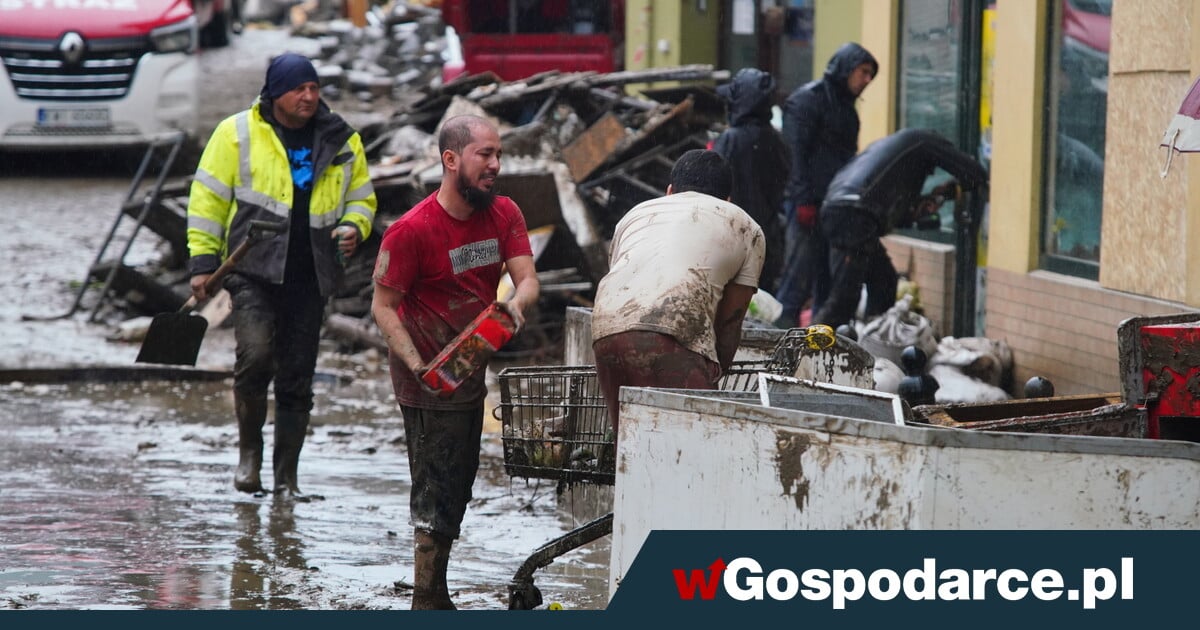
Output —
(439, 267)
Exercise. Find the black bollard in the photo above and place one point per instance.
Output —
(917, 387)
(1038, 387)
(847, 331)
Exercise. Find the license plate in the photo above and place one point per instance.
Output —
(76, 117)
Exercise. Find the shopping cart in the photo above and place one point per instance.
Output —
(554, 425)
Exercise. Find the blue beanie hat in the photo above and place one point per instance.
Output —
(288, 71)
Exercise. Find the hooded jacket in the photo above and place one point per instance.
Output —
(820, 126)
(244, 175)
(758, 158)
(879, 187)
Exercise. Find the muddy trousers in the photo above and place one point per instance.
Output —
(640, 358)
(443, 460)
(277, 329)
(852, 268)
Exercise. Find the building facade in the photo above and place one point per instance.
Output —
(1065, 102)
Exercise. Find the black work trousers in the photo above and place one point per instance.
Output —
(850, 269)
(278, 331)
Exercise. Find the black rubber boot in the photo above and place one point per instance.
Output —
(251, 415)
(430, 560)
(290, 430)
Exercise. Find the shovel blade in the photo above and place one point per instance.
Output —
(173, 339)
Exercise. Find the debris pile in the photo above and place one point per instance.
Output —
(581, 149)
(579, 153)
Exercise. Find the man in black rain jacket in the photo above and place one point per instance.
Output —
(879, 190)
(820, 128)
(755, 152)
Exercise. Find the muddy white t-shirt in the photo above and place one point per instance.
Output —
(670, 261)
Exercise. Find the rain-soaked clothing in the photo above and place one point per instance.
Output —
(312, 180)
(671, 259)
(246, 174)
(443, 459)
(640, 358)
(870, 196)
(448, 270)
(278, 333)
(759, 160)
(820, 128)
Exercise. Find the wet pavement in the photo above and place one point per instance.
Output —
(118, 495)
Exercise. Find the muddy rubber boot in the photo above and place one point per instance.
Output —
(290, 430)
(430, 560)
(251, 415)
(441, 562)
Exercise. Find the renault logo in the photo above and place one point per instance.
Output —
(71, 46)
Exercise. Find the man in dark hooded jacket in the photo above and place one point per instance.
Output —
(755, 152)
(880, 189)
(820, 127)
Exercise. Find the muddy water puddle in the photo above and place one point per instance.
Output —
(119, 496)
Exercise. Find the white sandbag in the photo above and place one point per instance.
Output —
(956, 387)
(888, 335)
(978, 357)
(887, 376)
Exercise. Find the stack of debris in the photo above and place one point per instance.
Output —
(580, 151)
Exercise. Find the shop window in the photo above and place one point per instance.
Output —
(931, 84)
(1077, 100)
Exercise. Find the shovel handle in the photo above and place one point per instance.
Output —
(258, 231)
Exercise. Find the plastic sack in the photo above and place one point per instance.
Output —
(978, 357)
(888, 335)
(765, 307)
(956, 387)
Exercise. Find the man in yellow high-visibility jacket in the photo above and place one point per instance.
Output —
(289, 160)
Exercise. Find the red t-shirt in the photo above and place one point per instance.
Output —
(449, 271)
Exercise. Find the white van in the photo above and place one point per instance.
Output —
(78, 74)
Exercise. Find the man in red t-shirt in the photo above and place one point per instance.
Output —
(439, 267)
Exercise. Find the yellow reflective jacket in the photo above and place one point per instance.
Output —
(244, 175)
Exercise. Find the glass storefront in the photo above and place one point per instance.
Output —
(772, 35)
(1077, 99)
(931, 84)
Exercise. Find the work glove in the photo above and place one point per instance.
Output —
(806, 216)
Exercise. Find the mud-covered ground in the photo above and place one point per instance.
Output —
(118, 495)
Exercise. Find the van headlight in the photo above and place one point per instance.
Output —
(180, 36)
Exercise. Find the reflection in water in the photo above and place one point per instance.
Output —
(254, 582)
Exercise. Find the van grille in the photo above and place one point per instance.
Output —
(38, 70)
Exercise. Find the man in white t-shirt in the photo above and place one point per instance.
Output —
(682, 270)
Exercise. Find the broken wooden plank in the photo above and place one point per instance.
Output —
(694, 72)
(594, 146)
(510, 93)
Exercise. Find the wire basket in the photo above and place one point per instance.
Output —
(554, 423)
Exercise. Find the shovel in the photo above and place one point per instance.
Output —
(175, 338)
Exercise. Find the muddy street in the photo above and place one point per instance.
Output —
(119, 495)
